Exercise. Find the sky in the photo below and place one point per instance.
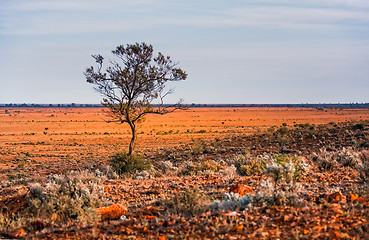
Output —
(234, 51)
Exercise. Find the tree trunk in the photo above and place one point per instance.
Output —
(133, 139)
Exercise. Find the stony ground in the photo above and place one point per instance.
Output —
(214, 189)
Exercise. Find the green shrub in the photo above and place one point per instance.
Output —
(283, 130)
(122, 163)
(207, 167)
(210, 166)
(247, 166)
(291, 162)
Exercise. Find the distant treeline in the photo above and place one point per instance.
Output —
(304, 105)
(33, 105)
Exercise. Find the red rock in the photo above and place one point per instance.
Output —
(335, 197)
(237, 228)
(19, 233)
(112, 212)
(241, 189)
(352, 197)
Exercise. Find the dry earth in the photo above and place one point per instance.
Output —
(199, 156)
(47, 135)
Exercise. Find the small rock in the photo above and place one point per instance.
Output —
(352, 197)
(237, 228)
(19, 233)
(241, 189)
(335, 197)
(112, 212)
(232, 214)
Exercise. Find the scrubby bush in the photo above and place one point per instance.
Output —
(283, 142)
(188, 168)
(207, 167)
(8, 221)
(70, 196)
(289, 165)
(347, 158)
(325, 160)
(247, 166)
(283, 130)
(281, 188)
(122, 163)
(232, 202)
(197, 149)
(329, 161)
(267, 195)
(190, 201)
(165, 167)
(364, 167)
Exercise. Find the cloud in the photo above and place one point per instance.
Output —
(77, 17)
(291, 17)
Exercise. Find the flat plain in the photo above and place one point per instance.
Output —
(215, 174)
(70, 134)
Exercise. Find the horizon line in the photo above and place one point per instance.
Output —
(188, 105)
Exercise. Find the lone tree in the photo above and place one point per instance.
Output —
(133, 82)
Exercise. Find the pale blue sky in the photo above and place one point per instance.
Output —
(234, 51)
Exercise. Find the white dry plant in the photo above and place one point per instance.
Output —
(283, 190)
(279, 189)
(106, 172)
(230, 172)
(71, 196)
(166, 167)
(143, 175)
(232, 202)
(187, 168)
(326, 161)
(348, 157)
(345, 157)
(267, 158)
(364, 172)
(364, 167)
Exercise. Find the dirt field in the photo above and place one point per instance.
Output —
(315, 161)
(44, 135)
(75, 134)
